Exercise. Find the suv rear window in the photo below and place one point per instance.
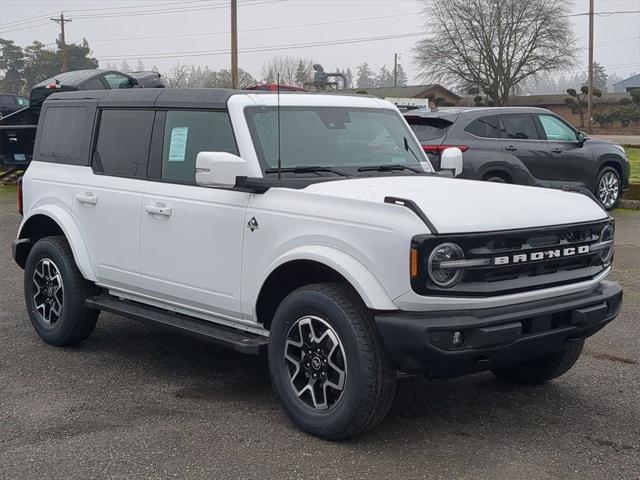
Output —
(124, 137)
(62, 133)
(428, 128)
(485, 127)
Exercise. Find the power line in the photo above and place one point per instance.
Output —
(172, 10)
(261, 29)
(292, 46)
(147, 11)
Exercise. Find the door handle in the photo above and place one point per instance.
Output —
(556, 150)
(511, 148)
(161, 210)
(87, 198)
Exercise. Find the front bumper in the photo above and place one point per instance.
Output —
(424, 341)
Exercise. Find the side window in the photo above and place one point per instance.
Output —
(485, 127)
(188, 133)
(62, 132)
(556, 129)
(520, 126)
(122, 146)
(117, 81)
(22, 101)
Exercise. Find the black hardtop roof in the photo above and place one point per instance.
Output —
(212, 98)
(153, 97)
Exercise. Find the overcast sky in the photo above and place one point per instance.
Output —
(201, 26)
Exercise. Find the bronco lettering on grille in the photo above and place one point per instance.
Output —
(542, 255)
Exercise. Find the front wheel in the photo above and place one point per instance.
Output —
(542, 370)
(608, 187)
(55, 294)
(328, 365)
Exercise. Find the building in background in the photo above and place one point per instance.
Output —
(432, 92)
(627, 84)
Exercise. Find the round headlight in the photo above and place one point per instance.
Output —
(606, 235)
(443, 275)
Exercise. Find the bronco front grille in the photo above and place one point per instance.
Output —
(518, 268)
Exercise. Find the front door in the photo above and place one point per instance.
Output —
(192, 236)
(108, 196)
(571, 163)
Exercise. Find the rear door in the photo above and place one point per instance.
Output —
(525, 145)
(192, 236)
(571, 162)
(108, 195)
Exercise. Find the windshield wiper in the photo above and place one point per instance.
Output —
(307, 169)
(388, 168)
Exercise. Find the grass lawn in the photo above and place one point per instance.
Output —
(634, 160)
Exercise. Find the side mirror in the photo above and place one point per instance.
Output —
(451, 160)
(219, 169)
(582, 137)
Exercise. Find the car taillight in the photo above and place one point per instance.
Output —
(20, 202)
(438, 149)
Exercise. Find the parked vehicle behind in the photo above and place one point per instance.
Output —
(526, 146)
(18, 130)
(310, 227)
(10, 103)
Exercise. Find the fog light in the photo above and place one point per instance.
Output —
(458, 339)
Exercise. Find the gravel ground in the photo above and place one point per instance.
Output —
(136, 402)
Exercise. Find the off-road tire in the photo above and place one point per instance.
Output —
(370, 372)
(542, 370)
(76, 322)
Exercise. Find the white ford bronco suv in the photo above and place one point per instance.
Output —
(309, 226)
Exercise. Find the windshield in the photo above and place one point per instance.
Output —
(341, 138)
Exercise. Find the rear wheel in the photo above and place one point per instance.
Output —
(496, 178)
(608, 187)
(542, 370)
(329, 368)
(55, 293)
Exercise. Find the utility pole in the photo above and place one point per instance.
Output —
(62, 45)
(395, 69)
(590, 95)
(234, 43)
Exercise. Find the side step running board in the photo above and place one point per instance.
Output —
(244, 342)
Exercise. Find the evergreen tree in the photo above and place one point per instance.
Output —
(124, 67)
(349, 76)
(11, 67)
(401, 76)
(384, 78)
(365, 76)
(140, 66)
(302, 74)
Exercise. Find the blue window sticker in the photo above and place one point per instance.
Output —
(178, 144)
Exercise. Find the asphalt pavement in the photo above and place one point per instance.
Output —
(137, 402)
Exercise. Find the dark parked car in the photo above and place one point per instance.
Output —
(10, 103)
(523, 145)
(18, 130)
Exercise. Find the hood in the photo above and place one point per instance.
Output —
(465, 206)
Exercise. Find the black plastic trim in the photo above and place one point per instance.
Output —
(411, 205)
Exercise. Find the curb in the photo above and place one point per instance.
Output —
(629, 204)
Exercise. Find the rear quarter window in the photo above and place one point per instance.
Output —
(62, 134)
(485, 127)
(428, 128)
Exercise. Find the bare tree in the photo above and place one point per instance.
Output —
(493, 45)
(178, 76)
(287, 68)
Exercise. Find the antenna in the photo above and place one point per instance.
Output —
(278, 109)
